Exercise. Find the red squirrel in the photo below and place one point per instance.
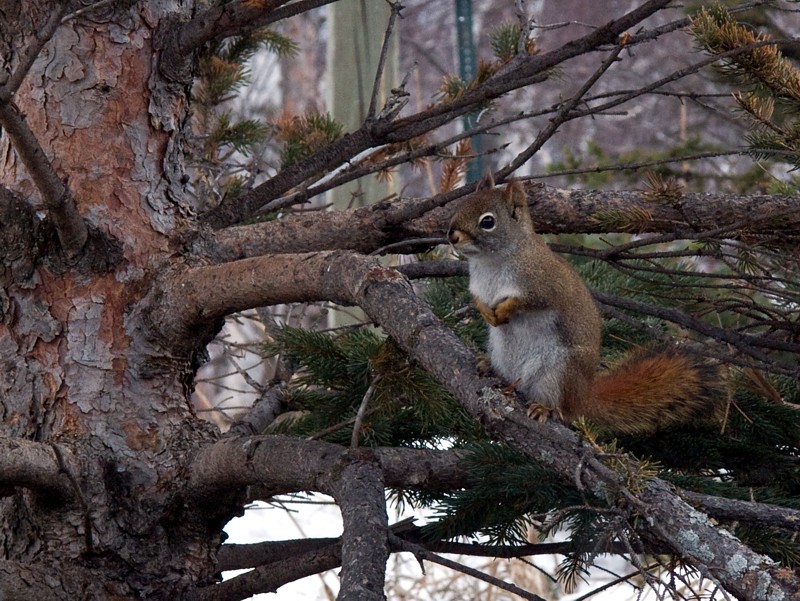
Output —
(544, 334)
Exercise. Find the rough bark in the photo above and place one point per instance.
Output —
(70, 372)
(554, 211)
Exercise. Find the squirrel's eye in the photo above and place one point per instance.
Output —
(487, 222)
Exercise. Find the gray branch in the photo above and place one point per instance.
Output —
(71, 228)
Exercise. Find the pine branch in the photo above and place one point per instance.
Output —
(561, 117)
(396, 7)
(666, 518)
(762, 515)
(554, 210)
(218, 22)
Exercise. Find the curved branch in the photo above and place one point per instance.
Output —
(72, 229)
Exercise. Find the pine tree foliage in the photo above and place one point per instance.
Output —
(304, 135)
(222, 73)
(505, 42)
(334, 372)
(770, 83)
(510, 499)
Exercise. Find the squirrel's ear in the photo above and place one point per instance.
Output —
(516, 198)
(486, 182)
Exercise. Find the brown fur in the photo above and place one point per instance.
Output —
(654, 391)
(543, 318)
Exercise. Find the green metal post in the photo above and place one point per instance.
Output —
(468, 69)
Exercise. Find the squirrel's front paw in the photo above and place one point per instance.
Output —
(541, 413)
(506, 309)
(501, 313)
(486, 312)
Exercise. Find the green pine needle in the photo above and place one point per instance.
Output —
(504, 41)
(305, 135)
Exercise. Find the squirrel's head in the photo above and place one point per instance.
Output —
(490, 221)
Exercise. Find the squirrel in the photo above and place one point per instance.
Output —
(545, 330)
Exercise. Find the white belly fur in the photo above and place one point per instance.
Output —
(530, 354)
(491, 283)
(529, 350)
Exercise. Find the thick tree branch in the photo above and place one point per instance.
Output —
(180, 312)
(732, 510)
(554, 210)
(239, 557)
(33, 465)
(357, 487)
(519, 72)
(71, 228)
(293, 465)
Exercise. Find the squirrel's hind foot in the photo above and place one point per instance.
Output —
(541, 413)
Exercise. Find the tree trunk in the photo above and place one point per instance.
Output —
(77, 371)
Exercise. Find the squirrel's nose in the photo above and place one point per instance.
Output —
(454, 236)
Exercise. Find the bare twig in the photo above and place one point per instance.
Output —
(42, 36)
(362, 410)
(519, 72)
(396, 7)
(562, 116)
(421, 553)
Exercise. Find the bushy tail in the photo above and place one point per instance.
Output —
(656, 390)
